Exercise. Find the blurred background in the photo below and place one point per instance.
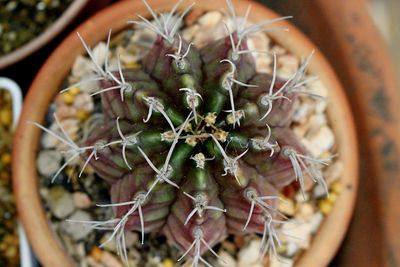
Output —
(360, 38)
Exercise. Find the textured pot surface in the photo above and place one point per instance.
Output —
(57, 67)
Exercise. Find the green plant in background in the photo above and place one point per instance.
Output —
(195, 143)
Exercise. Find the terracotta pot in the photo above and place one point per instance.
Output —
(47, 84)
(346, 34)
(46, 36)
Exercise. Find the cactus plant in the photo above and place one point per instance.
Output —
(195, 143)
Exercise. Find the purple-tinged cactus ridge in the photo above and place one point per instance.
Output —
(195, 143)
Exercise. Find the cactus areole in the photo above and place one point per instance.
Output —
(195, 143)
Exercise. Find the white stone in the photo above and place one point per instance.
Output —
(286, 206)
(316, 221)
(71, 127)
(304, 211)
(89, 86)
(318, 88)
(206, 36)
(126, 57)
(319, 191)
(210, 19)
(249, 256)
(291, 249)
(314, 150)
(297, 232)
(287, 65)
(189, 33)
(302, 198)
(48, 162)
(226, 259)
(77, 231)
(320, 106)
(81, 200)
(82, 67)
(301, 112)
(131, 239)
(84, 102)
(281, 262)
(64, 112)
(100, 53)
(260, 42)
(317, 120)
(322, 137)
(60, 202)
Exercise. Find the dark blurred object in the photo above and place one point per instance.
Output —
(24, 71)
(345, 32)
(27, 25)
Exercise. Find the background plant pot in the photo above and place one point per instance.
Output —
(346, 34)
(50, 77)
(32, 46)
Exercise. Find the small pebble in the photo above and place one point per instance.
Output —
(81, 200)
(298, 232)
(71, 127)
(60, 202)
(168, 263)
(226, 259)
(325, 206)
(210, 19)
(318, 88)
(304, 211)
(291, 249)
(65, 112)
(6, 117)
(84, 101)
(6, 158)
(190, 33)
(110, 246)
(96, 254)
(301, 112)
(48, 162)
(286, 206)
(100, 53)
(316, 221)
(82, 115)
(287, 65)
(332, 197)
(281, 262)
(74, 91)
(322, 137)
(110, 260)
(77, 231)
(68, 98)
(319, 191)
(131, 239)
(249, 255)
(337, 187)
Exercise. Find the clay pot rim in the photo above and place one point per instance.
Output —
(46, 36)
(328, 238)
